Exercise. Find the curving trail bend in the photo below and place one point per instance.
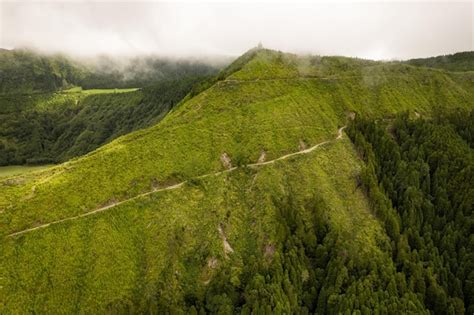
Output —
(178, 185)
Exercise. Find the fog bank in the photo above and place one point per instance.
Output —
(369, 30)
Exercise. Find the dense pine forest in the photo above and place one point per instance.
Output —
(420, 180)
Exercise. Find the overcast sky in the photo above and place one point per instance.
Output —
(376, 30)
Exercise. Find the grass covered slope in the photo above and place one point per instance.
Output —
(240, 116)
(20, 169)
(168, 252)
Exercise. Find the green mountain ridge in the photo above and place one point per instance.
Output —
(236, 241)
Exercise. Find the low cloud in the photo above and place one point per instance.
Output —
(368, 30)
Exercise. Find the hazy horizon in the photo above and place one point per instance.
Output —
(385, 30)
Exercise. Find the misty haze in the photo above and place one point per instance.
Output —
(228, 157)
(379, 30)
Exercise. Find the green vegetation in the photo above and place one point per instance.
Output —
(20, 169)
(78, 89)
(241, 118)
(54, 108)
(55, 127)
(463, 61)
(424, 169)
(297, 236)
(25, 72)
(298, 229)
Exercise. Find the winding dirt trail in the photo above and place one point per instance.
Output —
(305, 151)
(178, 185)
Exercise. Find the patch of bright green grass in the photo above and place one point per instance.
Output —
(108, 91)
(79, 89)
(76, 89)
(20, 169)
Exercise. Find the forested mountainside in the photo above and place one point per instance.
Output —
(24, 71)
(250, 197)
(55, 127)
(420, 180)
(462, 61)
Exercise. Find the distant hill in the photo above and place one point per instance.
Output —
(462, 61)
(108, 72)
(249, 197)
(25, 71)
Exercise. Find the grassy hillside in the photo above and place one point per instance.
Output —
(54, 127)
(238, 116)
(20, 169)
(164, 252)
(167, 250)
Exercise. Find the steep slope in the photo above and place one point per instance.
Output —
(233, 240)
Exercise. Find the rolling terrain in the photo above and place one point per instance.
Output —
(245, 197)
